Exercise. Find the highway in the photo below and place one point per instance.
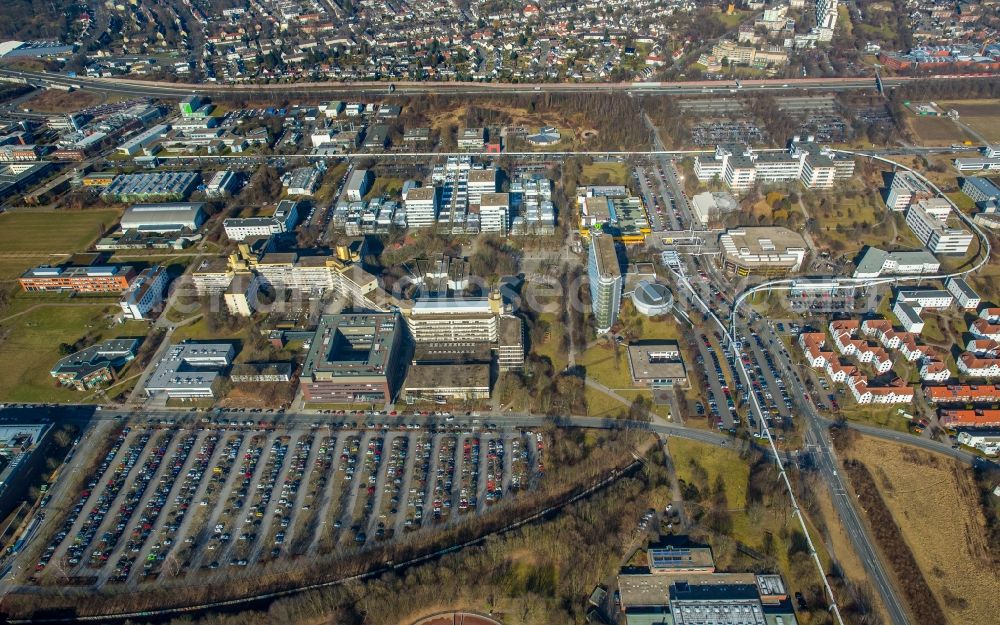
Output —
(284, 90)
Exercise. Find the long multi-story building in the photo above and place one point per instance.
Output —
(354, 358)
(79, 279)
(453, 320)
(740, 167)
(283, 219)
(963, 394)
(934, 224)
(605, 274)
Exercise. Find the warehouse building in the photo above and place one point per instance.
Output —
(167, 186)
(164, 217)
(143, 140)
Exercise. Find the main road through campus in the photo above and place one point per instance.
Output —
(284, 90)
(817, 434)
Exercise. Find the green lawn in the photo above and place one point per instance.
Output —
(601, 366)
(716, 461)
(604, 173)
(32, 342)
(52, 231)
(552, 348)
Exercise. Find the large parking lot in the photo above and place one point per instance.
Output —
(171, 501)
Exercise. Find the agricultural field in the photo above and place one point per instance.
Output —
(981, 116)
(178, 502)
(934, 501)
(53, 232)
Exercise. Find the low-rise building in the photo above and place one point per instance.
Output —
(190, 370)
(925, 298)
(657, 365)
(963, 394)
(250, 372)
(441, 383)
(163, 186)
(969, 418)
(986, 441)
(96, 365)
(283, 219)
(875, 262)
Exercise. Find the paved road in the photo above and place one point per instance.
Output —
(162, 89)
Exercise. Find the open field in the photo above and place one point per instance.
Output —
(934, 501)
(937, 130)
(52, 231)
(32, 341)
(604, 173)
(56, 101)
(980, 115)
(602, 365)
(762, 526)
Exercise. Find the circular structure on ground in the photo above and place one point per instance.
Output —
(457, 618)
(587, 135)
(652, 298)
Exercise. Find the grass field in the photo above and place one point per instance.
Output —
(56, 101)
(552, 348)
(934, 501)
(937, 130)
(980, 115)
(32, 341)
(604, 173)
(52, 231)
(880, 416)
(603, 367)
